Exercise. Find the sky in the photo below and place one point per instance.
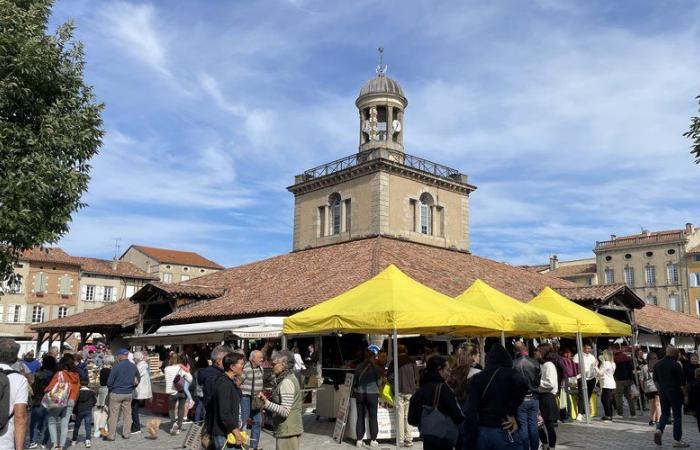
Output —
(567, 115)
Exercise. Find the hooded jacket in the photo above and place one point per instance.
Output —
(70, 377)
(495, 393)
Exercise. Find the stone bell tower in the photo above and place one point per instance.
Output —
(381, 190)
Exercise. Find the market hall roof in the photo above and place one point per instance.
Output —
(118, 315)
(295, 281)
(177, 290)
(659, 320)
(601, 293)
(164, 255)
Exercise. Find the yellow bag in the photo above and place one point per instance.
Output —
(386, 395)
(231, 439)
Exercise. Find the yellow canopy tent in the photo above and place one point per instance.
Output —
(590, 323)
(392, 302)
(516, 317)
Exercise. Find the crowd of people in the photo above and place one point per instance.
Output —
(516, 401)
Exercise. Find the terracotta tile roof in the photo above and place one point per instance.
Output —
(536, 268)
(694, 251)
(298, 280)
(123, 269)
(601, 292)
(664, 321)
(121, 314)
(165, 255)
(178, 290)
(49, 255)
(574, 270)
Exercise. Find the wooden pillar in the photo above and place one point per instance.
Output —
(39, 341)
(51, 339)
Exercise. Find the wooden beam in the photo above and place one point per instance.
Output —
(39, 341)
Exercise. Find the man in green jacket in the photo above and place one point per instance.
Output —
(285, 402)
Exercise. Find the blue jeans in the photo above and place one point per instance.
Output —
(85, 418)
(199, 410)
(58, 423)
(255, 415)
(38, 425)
(527, 424)
(671, 400)
(497, 439)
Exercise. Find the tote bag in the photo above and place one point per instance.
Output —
(59, 394)
(437, 425)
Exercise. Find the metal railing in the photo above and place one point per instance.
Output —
(641, 240)
(414, 162)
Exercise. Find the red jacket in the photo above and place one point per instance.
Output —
(72, 378)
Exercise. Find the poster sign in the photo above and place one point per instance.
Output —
(341, 417)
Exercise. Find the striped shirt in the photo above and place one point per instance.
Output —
(287, 394)
(247, 387)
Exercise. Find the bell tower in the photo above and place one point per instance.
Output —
(381, 105)
(380, 190)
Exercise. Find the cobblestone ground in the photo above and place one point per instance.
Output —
(622, 434)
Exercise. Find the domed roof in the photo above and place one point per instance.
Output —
(381, 85)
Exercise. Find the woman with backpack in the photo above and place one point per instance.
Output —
(61, 394)
(434, 409)
(38, 431)
(176, 382)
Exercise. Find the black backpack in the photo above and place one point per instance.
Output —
(5, 413)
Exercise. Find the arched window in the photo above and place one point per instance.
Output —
(334, 203)
(426, 213)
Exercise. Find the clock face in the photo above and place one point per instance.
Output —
(396, 125)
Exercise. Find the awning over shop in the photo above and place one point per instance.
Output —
(204, 332)
(515, 316)
(589, 322)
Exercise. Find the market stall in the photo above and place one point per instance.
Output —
(588, 323)
(390, 303)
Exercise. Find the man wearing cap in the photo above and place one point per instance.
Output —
(123, 378)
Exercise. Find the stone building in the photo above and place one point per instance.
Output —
(694, 279)
(169, 266)
(381, 190)
(106, 281)
(580, 271)
(654, 264)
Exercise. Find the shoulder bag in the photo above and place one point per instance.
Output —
(437, 425)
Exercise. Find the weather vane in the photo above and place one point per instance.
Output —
(381, 68)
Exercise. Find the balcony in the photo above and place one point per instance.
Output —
(409, 161)
(641, 240)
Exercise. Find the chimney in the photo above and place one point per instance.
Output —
(689, 228)
(114, 265)
(613, 237)
(553, 262)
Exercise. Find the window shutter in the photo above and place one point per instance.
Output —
(23, 314)
(99, 293)
(2, 309)
(114, 294)
(36, 283)
(129, 291)
(83, 292)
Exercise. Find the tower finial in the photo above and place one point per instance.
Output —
(381, 68)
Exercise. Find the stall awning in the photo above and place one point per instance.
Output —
(204, 332)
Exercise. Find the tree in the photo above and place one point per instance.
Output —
(50, 128)
(694, 134)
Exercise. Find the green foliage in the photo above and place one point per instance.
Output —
(693, 134)
(50, 127)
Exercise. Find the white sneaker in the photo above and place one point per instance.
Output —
(174, 430)
(359, 443)
(73, 443)
(88, 444)
(374, 444)
(680, 444)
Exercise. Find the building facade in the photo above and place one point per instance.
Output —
(381, 190)
(169, 266)
(104, 281)
(654, 264)
(694, 279)
(580, 271)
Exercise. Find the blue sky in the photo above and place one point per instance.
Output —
(567, 115)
